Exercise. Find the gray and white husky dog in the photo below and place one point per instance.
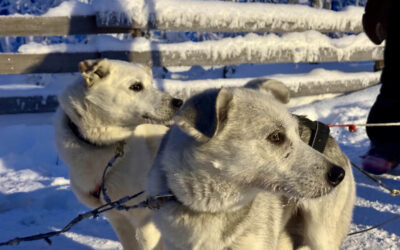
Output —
(244, 177)
(110, 106)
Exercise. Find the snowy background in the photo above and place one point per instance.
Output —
(35, 194)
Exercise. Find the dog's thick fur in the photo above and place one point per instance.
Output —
(108, 105)
(244, 178)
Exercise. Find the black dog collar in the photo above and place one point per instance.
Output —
(77, 133)
(319, 134)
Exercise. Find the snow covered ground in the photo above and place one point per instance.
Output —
(35, 194)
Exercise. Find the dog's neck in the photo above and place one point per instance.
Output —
(208, 191)
(88, 123)
(202, 188)
(75, 130)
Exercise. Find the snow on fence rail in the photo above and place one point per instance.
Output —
(224, 16)
(309, 46)
(124, 15)
(301, 41)
(316, 82)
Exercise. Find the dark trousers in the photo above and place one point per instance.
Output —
(387, 105)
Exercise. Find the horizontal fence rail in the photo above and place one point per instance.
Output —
(317, 82)
(311, 47)
(211, 16)
(227, 16)
(68, 62)
(320, 82)
(52, 26)
(296, 43)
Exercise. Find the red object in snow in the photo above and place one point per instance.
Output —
(352, 128)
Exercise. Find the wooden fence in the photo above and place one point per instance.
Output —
(185, 54)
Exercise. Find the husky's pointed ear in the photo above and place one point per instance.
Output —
(221, 108)
(147, 69)
(93, 70)
(186, 122)
(275, 87)
(204, 115)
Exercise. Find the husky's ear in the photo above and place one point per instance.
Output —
(222, 105)
(93, 70)
(204, 115)
(147, 69)
(277, 88)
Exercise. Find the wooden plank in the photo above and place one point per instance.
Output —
(248, 26)
(220, 16)
(331, 87)
(299, 85)
(186, 89)
(246, 21)
(50, 26)
(13, 63)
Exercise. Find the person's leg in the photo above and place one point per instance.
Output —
(387, 105)
(385, 141)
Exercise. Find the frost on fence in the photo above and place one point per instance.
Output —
(309, 46)
(121, 13)
(9, 7)
(45, 8)
(319, 81)
(192, 15)
(186, 15)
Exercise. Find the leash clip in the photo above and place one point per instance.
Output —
(156, 202)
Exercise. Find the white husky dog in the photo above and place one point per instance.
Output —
(99, 114)
(244, 178)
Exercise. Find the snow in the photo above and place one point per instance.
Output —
(35, 85)
(314, 82)
(35, 192)
(308, 46)
(311, 81)
(65, 8)
(71, 8)
(35, 195)
(211, 15)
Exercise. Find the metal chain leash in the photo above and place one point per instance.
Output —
(394, 218)
(119, 152)
(393, 192)
(154, 202)
(89, 214)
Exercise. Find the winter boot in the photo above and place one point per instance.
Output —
(382, 158)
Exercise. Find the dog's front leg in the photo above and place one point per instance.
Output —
(124, 230)
(149, 237)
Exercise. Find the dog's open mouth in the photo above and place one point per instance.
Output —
(153, 120)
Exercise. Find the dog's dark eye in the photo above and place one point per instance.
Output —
(100, 73)
(137, 86)
(276, 137)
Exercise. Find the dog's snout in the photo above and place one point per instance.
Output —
(335, 175)
(176, 103)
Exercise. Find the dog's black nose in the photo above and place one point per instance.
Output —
(335, 175)
(176, 103)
